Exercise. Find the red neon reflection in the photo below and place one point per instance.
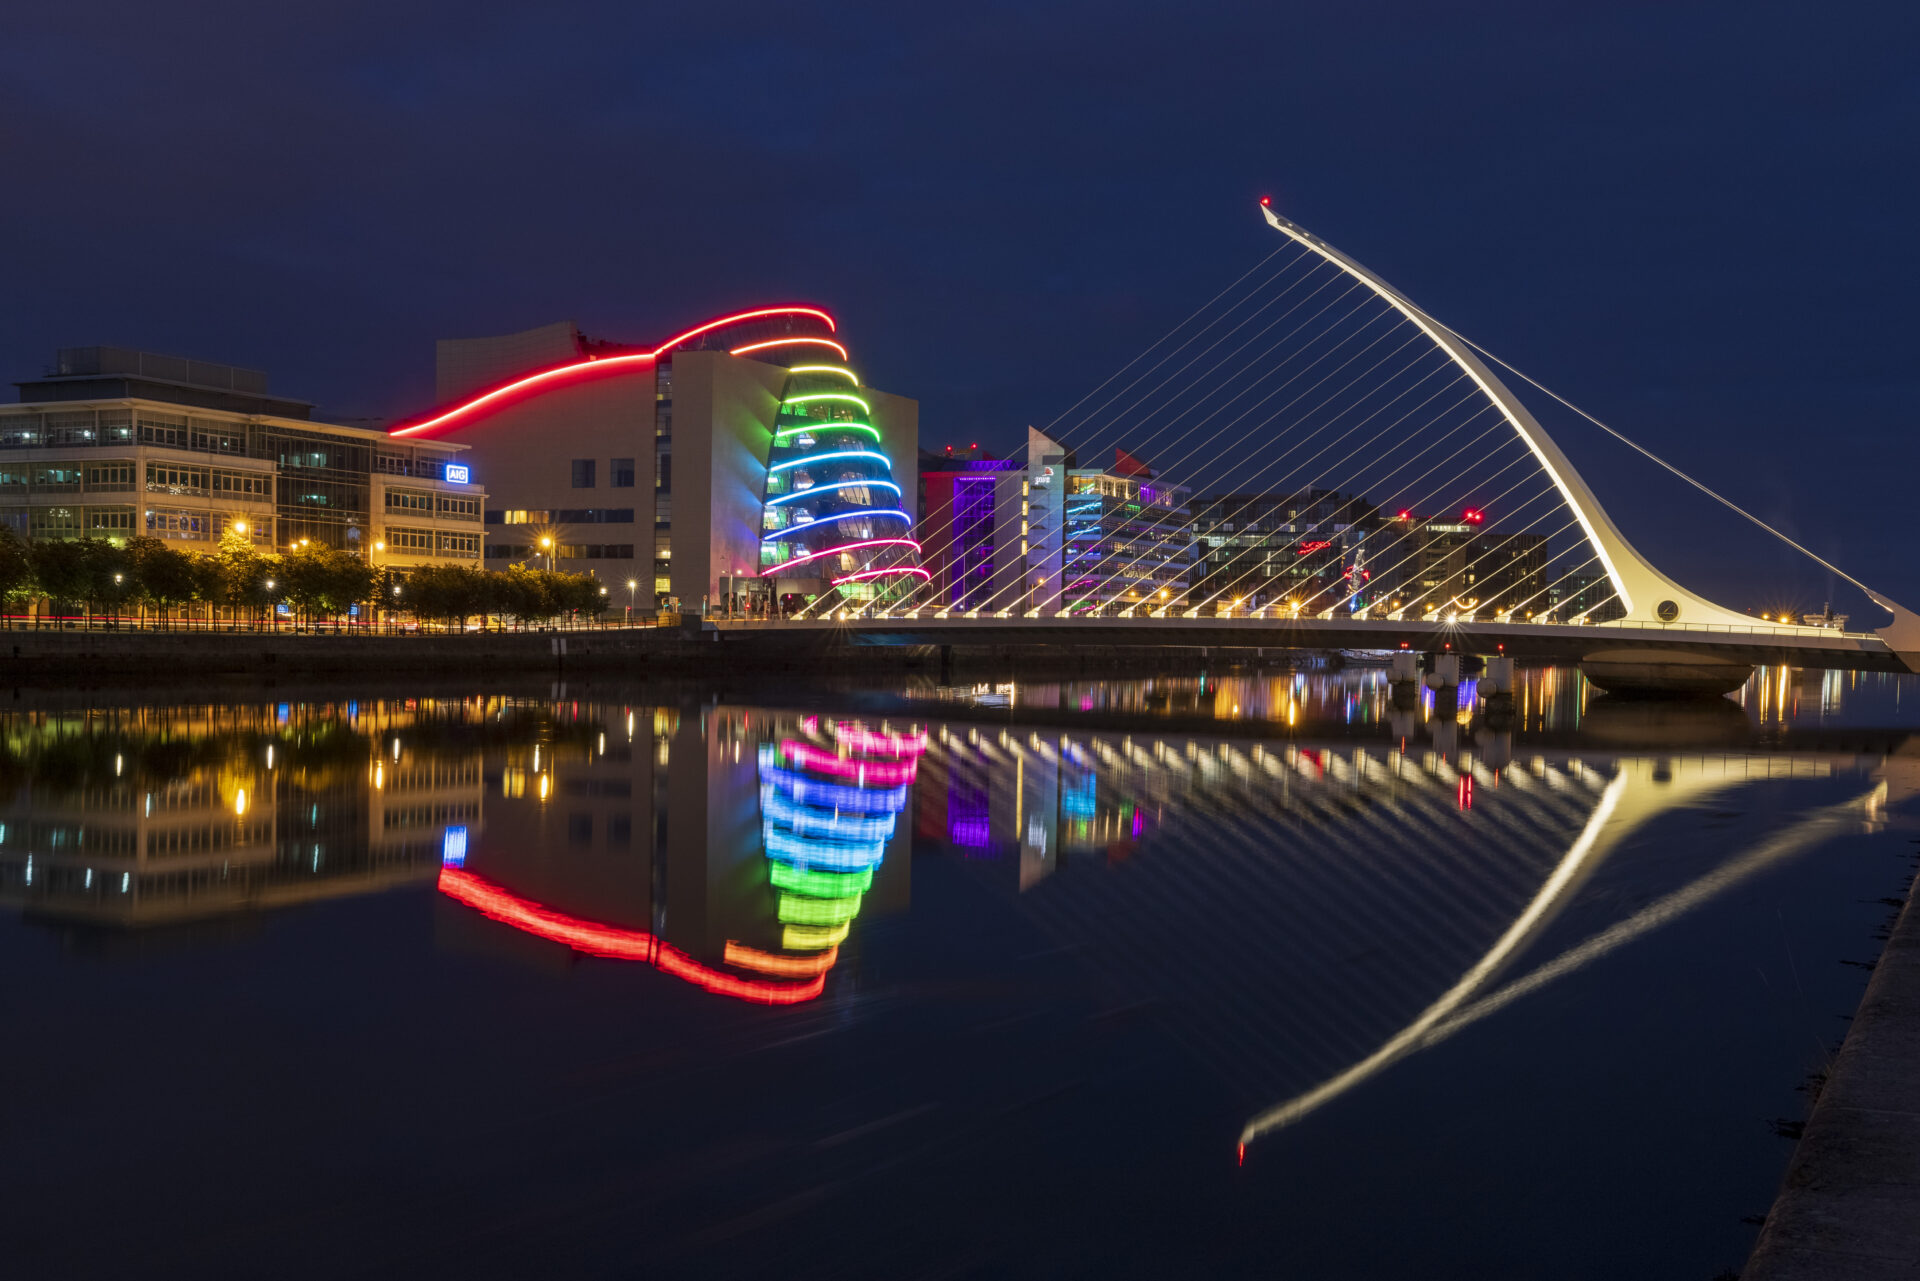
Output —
(872, 773)
(611, 940)
(546, 379)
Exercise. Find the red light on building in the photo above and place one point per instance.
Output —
(1405, 513)
(1317, 545)
(1473, 515)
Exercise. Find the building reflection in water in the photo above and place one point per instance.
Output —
(1388, 885)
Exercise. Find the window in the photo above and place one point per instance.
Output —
(57, 478)
(590, 516)
(663, 471)
(583, 473)
(178, 524)
(466, 546)
(453, 507)
(579, 828)
(622, 469)
(162, 479)
(520, 516)
(417, 541)
(110, 476)
(408, 500)
(55, 522)
(109, 520)
(162, 429)
(245, 484)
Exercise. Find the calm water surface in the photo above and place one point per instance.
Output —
(1255, 974)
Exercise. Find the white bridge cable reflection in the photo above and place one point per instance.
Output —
(1357, 880)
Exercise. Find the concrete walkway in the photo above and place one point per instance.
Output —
(1850, 1206)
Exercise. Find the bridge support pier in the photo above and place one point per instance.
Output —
(1664, 673)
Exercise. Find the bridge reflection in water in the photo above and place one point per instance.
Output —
(1313, 894)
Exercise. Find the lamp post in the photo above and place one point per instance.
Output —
(633, 585)
(273, 615)
(546, 545)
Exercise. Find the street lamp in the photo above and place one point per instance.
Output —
(633, 585)
(546, 545)
(239, 526)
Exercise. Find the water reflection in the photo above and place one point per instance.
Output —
(1317, 907)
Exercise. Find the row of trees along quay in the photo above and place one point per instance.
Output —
(146, 582)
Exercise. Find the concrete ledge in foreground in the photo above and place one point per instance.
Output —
(1850, 1205)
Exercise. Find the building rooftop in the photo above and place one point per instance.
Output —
(112, 373)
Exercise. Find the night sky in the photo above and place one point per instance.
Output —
(1691, 219)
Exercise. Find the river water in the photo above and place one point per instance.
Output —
(1234, 974)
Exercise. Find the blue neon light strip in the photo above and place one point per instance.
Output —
(821, 458)
(802, 528)
(839, 858)
(807, 820)
(822, 489)
(810, 791)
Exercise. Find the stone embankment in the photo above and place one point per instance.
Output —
(1849, 1209)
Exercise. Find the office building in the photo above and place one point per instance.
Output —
(741, 463)
(1048, 535)
(112, 443)
(1307, 551)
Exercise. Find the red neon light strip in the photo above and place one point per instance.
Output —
(877, 742)
(881, 573)
(612, 941)
(594, 368)
(844, 547)
(788, 342)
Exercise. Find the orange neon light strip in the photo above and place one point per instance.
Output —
(612, 941)
(788, 342)
(594, 368)
(752, 958)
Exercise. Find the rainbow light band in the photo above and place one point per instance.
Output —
(803, 527)
(592, 367)
(815, 853)
(811, 490)
(804, 880)
(843, 547)
(807, 398)
(796, 910)
(878, 742)
(787, 342)
(865, 574)
(829, 823)
(879, 773)
(846, 373)
(821, 458)
(806, 938)
(752, 958)
(824, 426)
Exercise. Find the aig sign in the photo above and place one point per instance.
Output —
(459, 473)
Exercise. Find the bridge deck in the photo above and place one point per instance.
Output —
(1799, 646)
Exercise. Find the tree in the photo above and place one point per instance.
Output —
(522, 594)
(60, 569)
(451, 592)
(106, 568)
(160, 575)
(243, 572)
(16, 569)
(578, 594)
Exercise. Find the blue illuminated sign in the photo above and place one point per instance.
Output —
(459, 473)
(453, 847)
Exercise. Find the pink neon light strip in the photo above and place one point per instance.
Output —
(844, 547)
(877, 743)
(608, 940)
(788, 342)
(881, 573)
(594, 368)
(874, 773)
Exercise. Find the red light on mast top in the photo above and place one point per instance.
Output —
(1473, 515)
(1405, 513)
(1266, 200)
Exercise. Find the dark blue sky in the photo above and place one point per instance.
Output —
(1691, 219)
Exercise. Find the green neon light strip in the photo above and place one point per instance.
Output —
(795, 910)
(809, 397)
(820, 429)
(806, 880)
